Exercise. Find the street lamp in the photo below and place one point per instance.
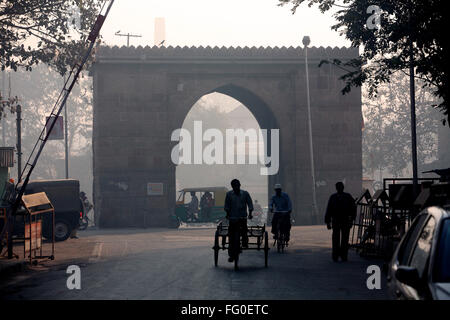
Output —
(306, 41)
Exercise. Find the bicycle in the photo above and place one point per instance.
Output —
(282, 238)
(84, 219)
(84, 223)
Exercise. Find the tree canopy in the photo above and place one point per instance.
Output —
(37, 91)
(48, 31)
(384, 29)
(386, 136)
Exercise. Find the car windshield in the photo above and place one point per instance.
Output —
(442, 263)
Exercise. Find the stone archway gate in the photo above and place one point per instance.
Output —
(142, 94)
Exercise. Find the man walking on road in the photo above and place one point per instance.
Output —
(341, 211)
(236, 203)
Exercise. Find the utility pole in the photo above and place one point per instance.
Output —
(412, 90)
(314, 215)
(66, 142)
(19, 141)
(128, 35)
(14, 106)
(18, 109)
(413, 121)
(3, 90)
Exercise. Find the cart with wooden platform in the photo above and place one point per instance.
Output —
(258, 239)
(36, 205)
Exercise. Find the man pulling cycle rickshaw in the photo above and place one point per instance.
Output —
(236, 203)
(281, 207)
(235, 228)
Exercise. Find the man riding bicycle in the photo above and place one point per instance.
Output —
(281, 206)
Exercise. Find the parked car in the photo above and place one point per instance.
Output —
(65, 198)
(420, 267)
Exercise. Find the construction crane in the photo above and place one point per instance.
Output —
(16, 197)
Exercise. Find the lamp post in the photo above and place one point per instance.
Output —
(306, 42)
(412, 91)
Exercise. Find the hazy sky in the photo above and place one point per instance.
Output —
(220, 23)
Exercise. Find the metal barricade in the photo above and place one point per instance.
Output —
(383, 219)
(363, 219)
(372, 231)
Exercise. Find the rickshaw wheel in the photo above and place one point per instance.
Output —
(216, 257)
(224, 241)
(216, 249)
(266, 248)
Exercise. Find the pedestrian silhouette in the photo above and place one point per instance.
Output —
(341, 211)
(206, 204)
(193, 207)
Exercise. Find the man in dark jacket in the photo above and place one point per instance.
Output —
(236, 203)
(341, 211)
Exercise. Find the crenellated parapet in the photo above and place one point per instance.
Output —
(280, 54)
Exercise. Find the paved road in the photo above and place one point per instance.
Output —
(178, 264)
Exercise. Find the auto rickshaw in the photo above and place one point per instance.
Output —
(210, 210)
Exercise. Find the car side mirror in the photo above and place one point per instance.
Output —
(408, 276)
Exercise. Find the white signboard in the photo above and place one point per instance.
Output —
(155, 189)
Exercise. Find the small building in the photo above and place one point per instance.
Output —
(6, 162)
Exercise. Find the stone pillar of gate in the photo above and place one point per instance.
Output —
(134, 179)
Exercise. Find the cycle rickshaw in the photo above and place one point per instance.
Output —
(258, 239)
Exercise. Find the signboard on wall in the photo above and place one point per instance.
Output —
(155, 189)
(58, 129)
